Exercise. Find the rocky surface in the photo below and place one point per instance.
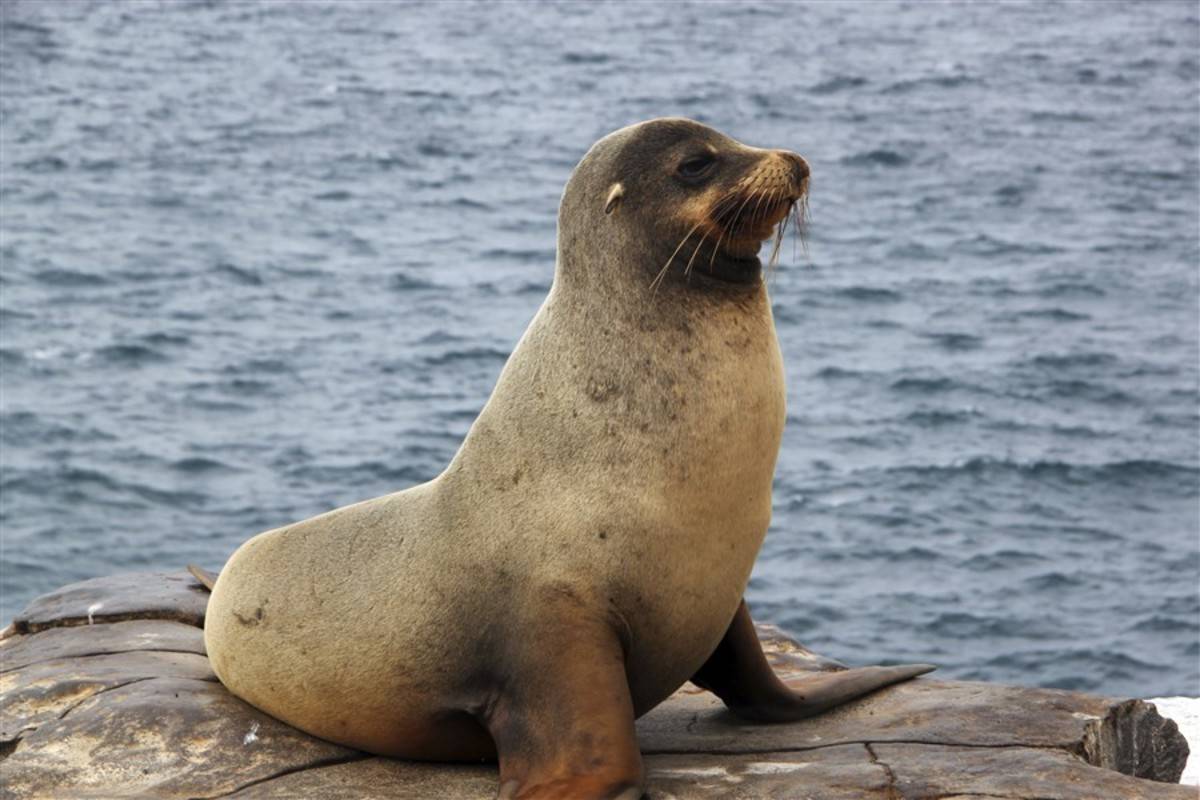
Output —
(105, 692)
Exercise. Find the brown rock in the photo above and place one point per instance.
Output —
(44, 692)
(93, 640)
(923, 710)
(163, 738)
(938, 771)
(143, 595)
(128, 707)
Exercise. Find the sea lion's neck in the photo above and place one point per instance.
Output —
(634, 383)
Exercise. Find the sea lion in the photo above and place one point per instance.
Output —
(586, 551)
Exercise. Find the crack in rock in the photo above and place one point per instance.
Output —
(893, 793)
(327, 762)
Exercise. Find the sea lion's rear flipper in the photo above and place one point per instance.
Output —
(206, 578)
(738, 673)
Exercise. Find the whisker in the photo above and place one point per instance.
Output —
(716, 249)
(662, 272)
(688, 269)
(780, 232)
(757, 208)
(735, 222)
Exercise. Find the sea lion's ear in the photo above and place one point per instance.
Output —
(614, 197)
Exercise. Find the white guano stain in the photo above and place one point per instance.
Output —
(251, 737)
(92, 609)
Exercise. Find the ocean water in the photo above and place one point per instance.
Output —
(258, 260)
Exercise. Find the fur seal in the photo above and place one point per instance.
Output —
(586, 551)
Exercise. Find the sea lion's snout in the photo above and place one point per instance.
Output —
(766, 196)
(800, 171)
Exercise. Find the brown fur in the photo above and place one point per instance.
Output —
(587, 547)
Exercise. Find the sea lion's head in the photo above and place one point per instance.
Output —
(674, 203)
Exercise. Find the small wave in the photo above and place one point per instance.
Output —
(939, 417)
(955, 342)
(533, 287)
(1010, 194)
(471, 354)
(1068, 361)
(1163, 624)
(571, 57)
(1089, 669)
(1052, 314)
(935, 81)
(457, 416)
(838, 84)
(1060, 116)
(1001, 560)
(923, 555)
(439, 337)
(960, 625)
(467, 202)
(337, 195)
(7, 314)
(522, 256)
(220, 406)
(433, 149)
(402, 282)
(1081, 432)
(246, 387)
(914, 251)
(69, 277)
(426, 94)
(1071, 289)
(130, 354)
(199, 464)
(381, 160)
(984, 245)
(255, 366)
(364, 472)
(166, 201)
(27, 427)
(1052, 581)
(100, 164)
(838, 374)
(1086, 390)
(242, 275)
(15, 25)
(1122, 473)
(877, 158)
(164, 338)
(45, 164)
(89, 485)
(868, 294)
(926, 385)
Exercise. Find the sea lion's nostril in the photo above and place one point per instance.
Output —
(799, 167)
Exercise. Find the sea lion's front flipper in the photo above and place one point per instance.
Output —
(207, 579)
(738, 673)
(562, 720)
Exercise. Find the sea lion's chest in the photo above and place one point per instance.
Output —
(669, 445)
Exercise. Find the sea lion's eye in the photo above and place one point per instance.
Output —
(696, 166)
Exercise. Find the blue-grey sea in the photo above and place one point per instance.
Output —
(261, 259)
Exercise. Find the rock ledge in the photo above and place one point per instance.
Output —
(106, 692)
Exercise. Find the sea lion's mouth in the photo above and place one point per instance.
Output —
(724, 244)
(745, 235)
